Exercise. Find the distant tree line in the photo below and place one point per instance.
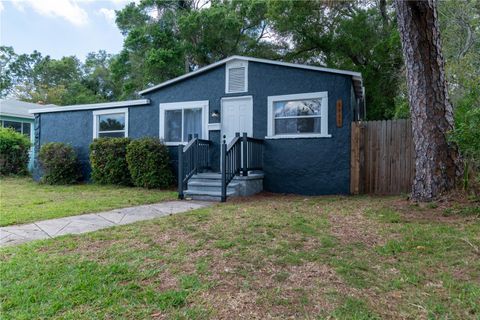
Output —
(166, 38)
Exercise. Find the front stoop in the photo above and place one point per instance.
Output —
(208, 186)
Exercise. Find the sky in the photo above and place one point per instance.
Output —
(61, 27)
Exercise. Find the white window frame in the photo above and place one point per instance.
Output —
(98, 113)
(301, 96)
(203, 104)
(236, 64)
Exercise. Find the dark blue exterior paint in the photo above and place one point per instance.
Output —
(304, 166)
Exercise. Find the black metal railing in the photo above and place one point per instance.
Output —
(192, 158)
(242, 154)
(252, 154)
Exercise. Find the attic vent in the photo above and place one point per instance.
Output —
(237, 77)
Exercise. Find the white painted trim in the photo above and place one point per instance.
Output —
(298, 136)
(203, 104)
(309, 95)
(17, 115)
(93, 106)
(214, 126)
(236, 64)
(109, 111)
(356, 76)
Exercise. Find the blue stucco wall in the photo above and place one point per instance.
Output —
(302, 166)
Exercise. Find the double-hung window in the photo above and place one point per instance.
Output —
(179, 120)
(302, 115)
(21, 127)
(110, 123)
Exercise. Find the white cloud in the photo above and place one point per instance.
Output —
(109, 14)
(1, 6)
(66, 9)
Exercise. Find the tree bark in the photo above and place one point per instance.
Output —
(436, 161)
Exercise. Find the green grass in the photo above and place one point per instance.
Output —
(23, 200)
(276, 256)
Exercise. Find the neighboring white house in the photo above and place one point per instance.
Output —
(14, 114)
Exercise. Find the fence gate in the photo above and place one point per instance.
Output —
(382, 157)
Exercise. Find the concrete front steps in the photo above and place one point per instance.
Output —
(208, 186)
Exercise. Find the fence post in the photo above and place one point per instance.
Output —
(223, 152)
(180, 172)
(245, 155)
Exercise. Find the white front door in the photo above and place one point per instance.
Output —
(237, 116)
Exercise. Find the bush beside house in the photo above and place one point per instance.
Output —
(108, 161)
(149, 164)
(60, 163)
(14, 150)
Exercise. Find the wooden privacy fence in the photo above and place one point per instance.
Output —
(382, 157)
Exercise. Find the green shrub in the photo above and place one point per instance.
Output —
(108, 161)
(149, 163)
(467, 137)
(59, 163)
(14, 148)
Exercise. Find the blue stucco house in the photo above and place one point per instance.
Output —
(299, 114)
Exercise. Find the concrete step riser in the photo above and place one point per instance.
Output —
(210, 189)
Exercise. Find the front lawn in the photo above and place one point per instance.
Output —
(22, 200)
(265, 257)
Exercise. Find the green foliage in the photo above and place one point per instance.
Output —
(467, 137)
(14, 149)
(59, 163)
(149, 163)
(346, 35)
(108, 161)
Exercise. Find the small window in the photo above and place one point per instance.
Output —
(26, 128)
(15, 125)
(110, 123)
(236, 77)
(299, 115)
(180, 120)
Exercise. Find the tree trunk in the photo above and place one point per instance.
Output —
(436, 161)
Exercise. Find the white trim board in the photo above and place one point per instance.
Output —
(93, 106)
(203, 104)
(356, 76)
(308, 95)
(109, 111)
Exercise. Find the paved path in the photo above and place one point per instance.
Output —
(93, 221)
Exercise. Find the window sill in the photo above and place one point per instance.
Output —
(298, 136)
(175, 144)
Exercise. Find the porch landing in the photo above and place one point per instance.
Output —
(208, 186)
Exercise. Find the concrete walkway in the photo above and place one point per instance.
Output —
(52, 228)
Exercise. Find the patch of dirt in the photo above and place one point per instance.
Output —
(355, 228)
(436, 211)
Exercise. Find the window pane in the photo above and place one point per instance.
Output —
(297, 125)
(192, 123)
(111, 134)
(26, 129)
(173, 125)
(13, 124)
(110, 122)
(297, 108)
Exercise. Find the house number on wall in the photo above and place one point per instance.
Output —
(339, 113)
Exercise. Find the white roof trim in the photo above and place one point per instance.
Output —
(16, 115)
(93, 106)
(357, 76)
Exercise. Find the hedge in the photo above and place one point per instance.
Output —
(14, 149)
(108, 161)
(149, 163)
(59, 163)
